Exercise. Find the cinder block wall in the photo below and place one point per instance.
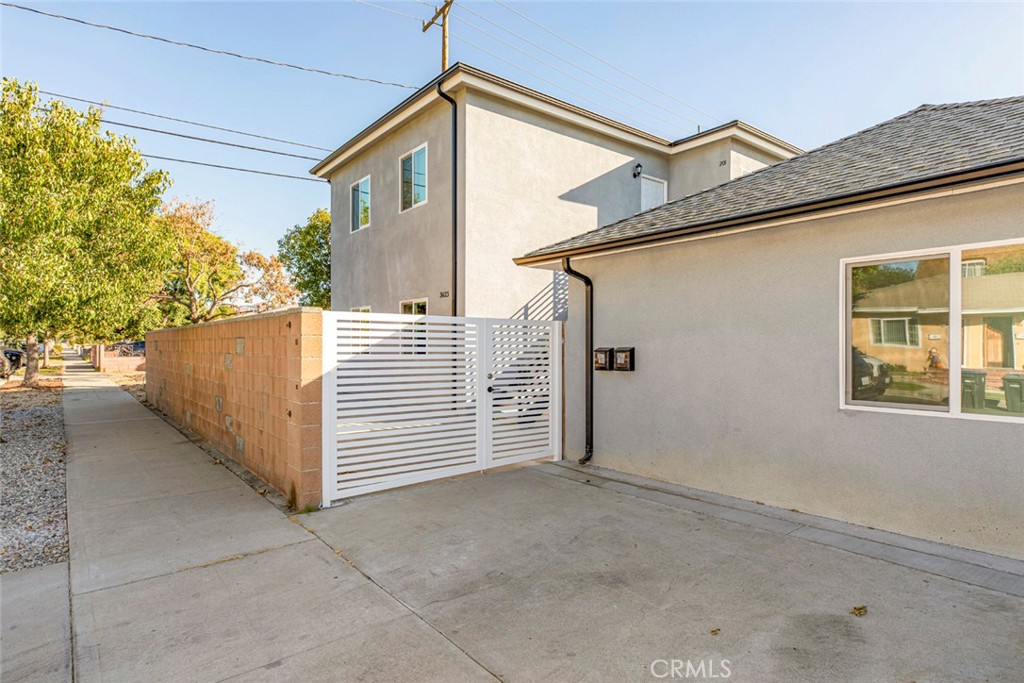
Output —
(250, 386)
(107, 361)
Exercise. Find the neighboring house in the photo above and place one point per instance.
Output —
(531, 169)
(744, 304)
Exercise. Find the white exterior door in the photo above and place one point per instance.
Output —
(653, 192)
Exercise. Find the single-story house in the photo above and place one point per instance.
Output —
(835, 333)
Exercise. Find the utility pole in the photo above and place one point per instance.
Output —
(442, 14)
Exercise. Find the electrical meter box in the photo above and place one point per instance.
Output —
(624, 358)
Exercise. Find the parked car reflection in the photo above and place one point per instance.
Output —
(870, 376)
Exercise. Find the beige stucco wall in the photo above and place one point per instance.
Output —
(698, 169)
(401, 255)
(913, 358)
(532, 180)
(250, 386)
(737, 390)
(744, 159)
(527, 179)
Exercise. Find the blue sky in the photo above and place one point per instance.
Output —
(806, 72)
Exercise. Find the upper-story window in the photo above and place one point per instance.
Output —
(414, 177)
(361, 204)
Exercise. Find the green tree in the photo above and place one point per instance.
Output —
(1008, 264)
(79, 250)
(305, 251)
(210, 277)
(867, 278)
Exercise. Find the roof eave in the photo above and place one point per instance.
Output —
(976, 174)
(324, 167)
(751, 135)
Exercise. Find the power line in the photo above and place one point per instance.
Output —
(209, 140)
(513, 65)
(193, 137)
(582, 98)
(570, 63)
(233, 168)
(569, 75)
(186, 121)
(226, 53)
(389, 10)
(606, 62)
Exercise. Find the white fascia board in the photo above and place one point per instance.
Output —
(329, 165)
(737, 131)
(467, 79)
(554, 260)
(568, 113)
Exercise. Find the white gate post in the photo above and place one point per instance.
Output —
(483, 397)
(557, 399)
(328, 406)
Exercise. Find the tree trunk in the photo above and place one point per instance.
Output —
(31, 361)
(46, 352)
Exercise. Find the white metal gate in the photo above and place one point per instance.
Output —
(413, 398)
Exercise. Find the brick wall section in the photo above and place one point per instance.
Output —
(106, 361)
(250, 386)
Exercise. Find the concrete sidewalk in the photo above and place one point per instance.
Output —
(181, 572)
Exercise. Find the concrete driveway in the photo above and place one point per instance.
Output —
(178, 571)
(539, 575)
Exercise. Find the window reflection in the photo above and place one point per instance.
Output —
(900, 332)
(993, 330)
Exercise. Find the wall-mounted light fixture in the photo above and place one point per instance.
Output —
(637, 170)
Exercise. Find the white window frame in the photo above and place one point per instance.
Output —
(353, 227)
(664, 190)
(955, 255)
(426, 176)
(425, 301)
(360, 309)
(974, 262)
(908, 322)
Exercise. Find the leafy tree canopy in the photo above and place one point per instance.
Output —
(210, 277)
(79, 250)
(305, 251)
(1009, 264)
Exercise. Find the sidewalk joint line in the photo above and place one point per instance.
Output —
(426, 622)
(205, 565)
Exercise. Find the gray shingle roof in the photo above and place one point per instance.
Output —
(989, 293)
(932, 140)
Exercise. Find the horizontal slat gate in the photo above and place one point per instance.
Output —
(413, 398)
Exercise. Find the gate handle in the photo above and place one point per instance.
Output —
(490, 390)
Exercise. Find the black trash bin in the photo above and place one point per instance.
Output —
(973, 394)
(1013, 387)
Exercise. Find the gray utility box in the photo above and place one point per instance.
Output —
(1013, 387)
(973, 395)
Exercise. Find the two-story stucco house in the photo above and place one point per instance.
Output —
(433, 200)
(842, 332)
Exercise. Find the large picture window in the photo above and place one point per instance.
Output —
(361, 204)
(414, 178)
(919, 325)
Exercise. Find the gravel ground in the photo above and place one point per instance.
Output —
(33, 508)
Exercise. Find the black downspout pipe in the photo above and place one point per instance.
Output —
(589, 315)
(455, 199)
